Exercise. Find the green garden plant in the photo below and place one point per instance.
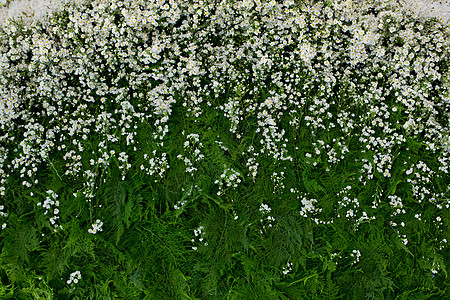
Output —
(224, 150)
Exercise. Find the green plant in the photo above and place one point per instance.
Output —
(224, 150)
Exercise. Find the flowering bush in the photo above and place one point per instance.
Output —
(213, 149)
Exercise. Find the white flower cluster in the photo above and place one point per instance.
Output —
(337, 153)
(3, 214)
(158, 165)
(381, 160)
(404, 239)
(367, 167)
(29, 11)
(192, 146)
(74, 277)
(183, 201)
(335, 255)
(125, 166)
(352, 213)
(101, 163)
(271, 136)
(200, 234)
(363, 218)
(356, 254)
(105, 154)
(410, 125)
(231, 177)
(436, 267)
(221, 145)
(395, 224)
(442, 243)
(288, 268)
(267, 221)
(48, 204)
(233, 112)
(179, 204)
(307, 53)
(97, 226)
(3, 175)
(278, 181)
(308, 207)
(89, 184)
(396, 203)
(74, 163)
(251, 163)
(420, 182)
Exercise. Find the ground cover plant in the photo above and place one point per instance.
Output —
(224, 150)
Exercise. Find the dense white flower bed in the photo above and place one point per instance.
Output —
(36, 9)
(115, 67)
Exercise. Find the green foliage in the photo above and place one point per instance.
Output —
(171, 184)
